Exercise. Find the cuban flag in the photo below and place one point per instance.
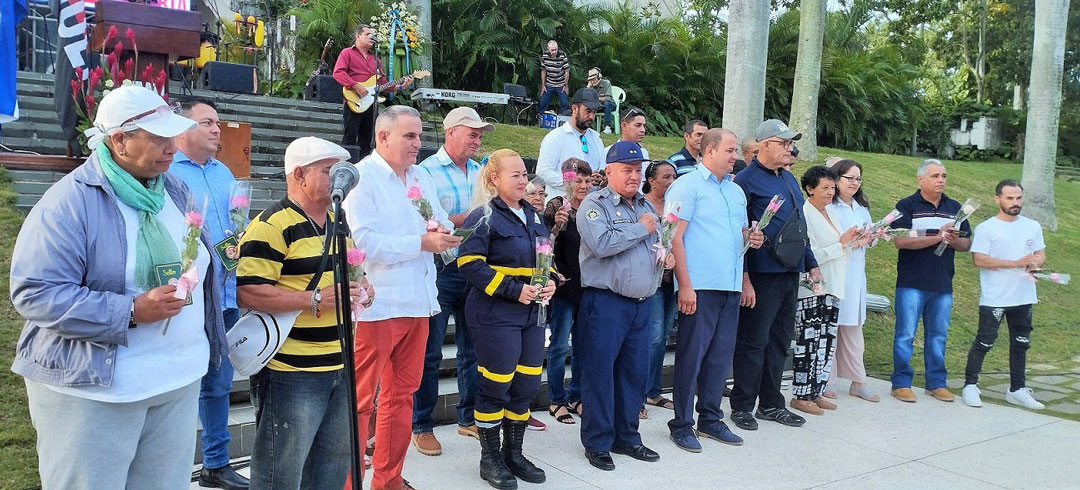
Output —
(11, 13)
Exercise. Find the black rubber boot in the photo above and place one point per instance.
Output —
(514, 436)
(492, 467)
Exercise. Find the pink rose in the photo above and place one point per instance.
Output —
(569, 176)
(355, 257)
(193, 219)
(414, 193)
(671, 218)
(774, 205)
(543, 249)
(240, 201)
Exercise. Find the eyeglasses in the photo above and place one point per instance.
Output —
(787, 144)
(537, 193)
(584, 145)
(851, 178)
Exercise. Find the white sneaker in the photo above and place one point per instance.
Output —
(607, 129)
(1024, 398)
(971, 397)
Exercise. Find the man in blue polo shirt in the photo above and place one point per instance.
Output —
(708, 278)
(211, 182)
(924, 280)
(686, 159)
(766, 322)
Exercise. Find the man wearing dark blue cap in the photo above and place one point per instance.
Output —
(618, 232)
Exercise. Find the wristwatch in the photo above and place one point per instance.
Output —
(316, 299)
(131, 318)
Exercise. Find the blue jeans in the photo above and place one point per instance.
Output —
(664, 305)
(934, 308)
(214, 405)
(545, 99)
(563, 313)
(452, 289)
(301, 429)
(609, 112)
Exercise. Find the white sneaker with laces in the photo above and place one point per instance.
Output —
(607, 129)
(971, 397)
(1024, 397)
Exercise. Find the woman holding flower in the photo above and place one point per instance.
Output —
(851, 208)
(113, 400)
(658, 177)
(498, 261)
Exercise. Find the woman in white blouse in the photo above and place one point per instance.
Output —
(851, 208)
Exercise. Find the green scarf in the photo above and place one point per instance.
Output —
(154, 245)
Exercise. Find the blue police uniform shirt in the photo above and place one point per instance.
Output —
(716, 214)
(214, 181)
(921, 269)
(760, 184)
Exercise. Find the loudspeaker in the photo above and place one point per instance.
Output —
(323, 88)
(229, 77)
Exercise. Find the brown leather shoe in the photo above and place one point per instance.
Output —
(806, 406)
(427, 444)
(468, 431)
(904, 395)
(824, 403)
(941, 394)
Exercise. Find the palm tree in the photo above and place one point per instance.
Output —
(804, 97)
(748, 54)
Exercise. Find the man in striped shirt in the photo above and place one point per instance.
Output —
(554, 77)
(301, 398)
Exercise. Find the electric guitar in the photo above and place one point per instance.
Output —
(322, 67)
(360, 104)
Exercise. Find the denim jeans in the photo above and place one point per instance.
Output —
(301, 429)
(934, 309)
(563, 313)
(452, 289)
(545, 99)
(214, 405)
(609, 112)
(664, 304)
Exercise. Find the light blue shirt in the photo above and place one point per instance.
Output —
(213, 183)
(716, 214)
(454, 187)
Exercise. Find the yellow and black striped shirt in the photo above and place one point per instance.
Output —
(281, 247)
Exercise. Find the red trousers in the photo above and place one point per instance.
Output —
(389, 357)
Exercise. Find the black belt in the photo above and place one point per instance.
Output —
(636, 300)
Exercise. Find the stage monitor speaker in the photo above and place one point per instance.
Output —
(229, 77)
(324, 88)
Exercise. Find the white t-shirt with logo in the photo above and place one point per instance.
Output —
(1007, 240)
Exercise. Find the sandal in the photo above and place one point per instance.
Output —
(864, 393)
(643, 414)
(661, 402)
(573, 407)
(829, 394)
(565, 418)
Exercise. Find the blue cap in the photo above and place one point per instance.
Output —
(625, 152)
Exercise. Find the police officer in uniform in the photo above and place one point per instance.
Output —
(618, 272)
(498, 262)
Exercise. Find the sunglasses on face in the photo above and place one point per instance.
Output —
(632, 113)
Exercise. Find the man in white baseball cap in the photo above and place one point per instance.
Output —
(279, 256)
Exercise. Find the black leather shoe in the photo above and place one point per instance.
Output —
(639, 452)
(601, 460)
(781, 415)
(224, 477)
(744, 420)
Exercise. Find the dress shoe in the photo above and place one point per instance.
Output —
(942, 394)
(780, 415)
(686, 440)
(601, 460)
(823, 402)
(721, 432)
(427, 444)
(639, 452)
(744, 420)
(904, 394)
(224, 477)
(806, 406)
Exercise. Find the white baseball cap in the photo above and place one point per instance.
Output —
(309, 149)
(136, 107)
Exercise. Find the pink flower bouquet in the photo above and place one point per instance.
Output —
(766, 217)
(354, 259)
(240, 207)
(568, 178)
(544, 254)
(1054, 277)
(189, 279)
(416, 195)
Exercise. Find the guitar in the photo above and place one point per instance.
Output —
(360, 104)
(322, 67)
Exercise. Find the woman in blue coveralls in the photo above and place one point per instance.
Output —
(501, 310)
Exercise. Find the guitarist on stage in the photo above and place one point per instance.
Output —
(356, 64)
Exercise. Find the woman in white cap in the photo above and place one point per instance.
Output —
(113, 395)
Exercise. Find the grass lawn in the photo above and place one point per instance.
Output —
(888, 178)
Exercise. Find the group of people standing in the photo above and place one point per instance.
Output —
(117, 367)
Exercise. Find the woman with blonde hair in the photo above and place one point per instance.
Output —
(501, 309)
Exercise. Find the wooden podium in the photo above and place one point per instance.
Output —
(234, 148)
(160, 32)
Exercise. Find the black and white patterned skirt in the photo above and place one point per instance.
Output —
(815, 342)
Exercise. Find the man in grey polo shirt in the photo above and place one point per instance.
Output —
(618, 231)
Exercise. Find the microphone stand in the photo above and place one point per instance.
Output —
(337, 234)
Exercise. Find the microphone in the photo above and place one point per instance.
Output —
(343, 177)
